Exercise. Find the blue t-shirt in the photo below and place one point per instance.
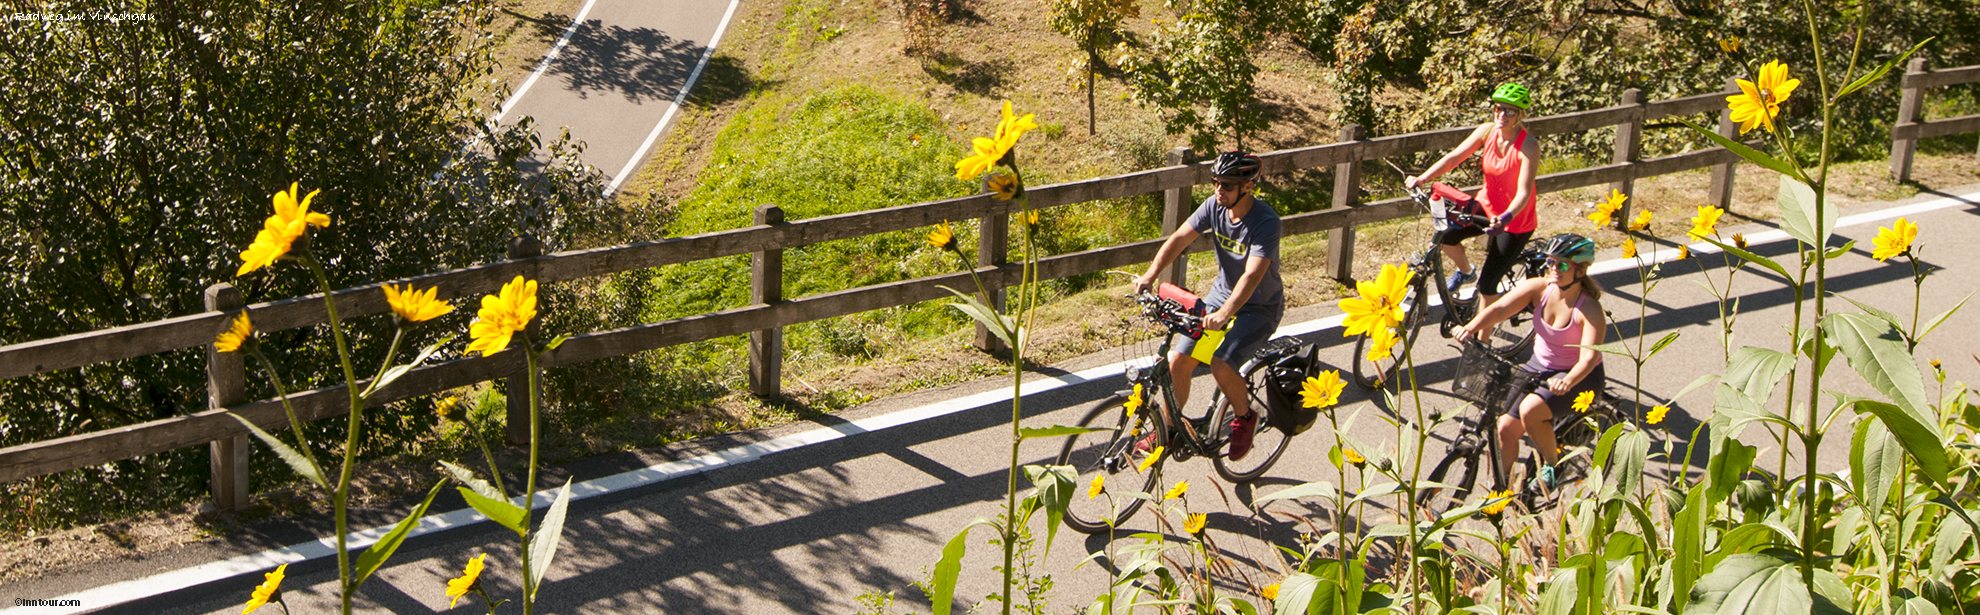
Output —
(1257, 234)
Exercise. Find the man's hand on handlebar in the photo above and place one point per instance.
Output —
(1143, 284)
(1216, 321)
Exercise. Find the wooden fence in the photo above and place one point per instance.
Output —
(769, 311)
(1910, 127)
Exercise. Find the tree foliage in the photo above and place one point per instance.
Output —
(1093, 26)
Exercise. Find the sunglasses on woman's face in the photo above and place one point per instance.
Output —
(1506, 109)
(1560, 265)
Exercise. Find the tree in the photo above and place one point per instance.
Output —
(1092, 25)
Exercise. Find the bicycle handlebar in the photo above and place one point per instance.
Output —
(1173, 315)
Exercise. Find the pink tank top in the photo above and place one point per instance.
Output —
(1551, 346)
(1502, 182)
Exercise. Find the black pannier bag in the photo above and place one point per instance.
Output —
(1288, 363)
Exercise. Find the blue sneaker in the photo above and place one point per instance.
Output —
(1457, 279)
(1546, 477)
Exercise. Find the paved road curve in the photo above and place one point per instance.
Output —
(869, 502)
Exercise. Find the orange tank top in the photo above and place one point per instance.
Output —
(1502, 182)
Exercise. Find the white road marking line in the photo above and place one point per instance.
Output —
(137, 589)
(544, 64)
(674, 107)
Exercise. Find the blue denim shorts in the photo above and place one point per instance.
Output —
(1249, 330)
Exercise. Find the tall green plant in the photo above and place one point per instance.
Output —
(1092, 25)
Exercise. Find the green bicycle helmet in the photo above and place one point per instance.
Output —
(1570, 247)
(1513, 94)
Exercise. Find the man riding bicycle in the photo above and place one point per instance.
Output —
(1564, 318)
(1247, 295)
(1510, 163)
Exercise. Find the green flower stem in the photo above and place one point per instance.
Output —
(398, 337)
(1917, 296)
(494, 472)
(341, 501)
(1409, 490)
(1812, 437)
(529, 484)
(282, 393)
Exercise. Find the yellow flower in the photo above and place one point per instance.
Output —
(280, 231)
(1381, 344)
(1098, 486)
(450, 408)
(1031, 217)
(235, 335)
(1756, 104)
(1153, 456)
(1657, 415)
(502, 316)
(989, 152)
(1729, 44)
(1706, 222)
(416, 306)
(1740, 240)
(1605, 211)
(942, 238)
(1354, 457)
(1380, 303)
(1133, 402)
(1498, 507)
(469, 576)
(1684, 251)
(1629, 247)
(1003, 186)
(1322, 390)
(1641, 222)
(1195, 523)
(1270, 592)
(1177, 491)
(1583, 401)
(1894, 241)
(269, 590)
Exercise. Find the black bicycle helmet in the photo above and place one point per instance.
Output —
(1570, 247)
(1235, 164)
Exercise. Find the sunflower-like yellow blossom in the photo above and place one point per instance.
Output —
(1729, 44)
(1133, 402)
(235, 335)
(502, 315)
(1894, 241)
(280, 231)
(416, 306)
(1706, 222)
(1641, 222)
(1177, 491)
(1605, 211)
(1684, 251)
(1381, 344)
(1740, 240)
(1002, 186)
(1757, 103)
(270, 590)
(1322, 389)
(1379, 303)
(1031, 217)
(1153, 456)
(1656, 415)
(1270, 592)
(1583, 401)
(1194, 524)
(449, 408)
(1354, 457)
(463, 584)
(989, 152)
(943, 238)
(1629, 247)
(1097, 487)
(1499, 501)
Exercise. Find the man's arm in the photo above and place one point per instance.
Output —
(1178, 241)
(1254, 273)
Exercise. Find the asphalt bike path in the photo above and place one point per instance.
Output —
(804, 518)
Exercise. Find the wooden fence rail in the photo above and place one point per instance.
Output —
(769, 311)
(1910, 127)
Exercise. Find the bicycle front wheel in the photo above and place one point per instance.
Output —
(1107, 455)
(1267, 442)
(1376, 373)
(1472, 455)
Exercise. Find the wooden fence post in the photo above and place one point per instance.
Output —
(523, 246)
(226, 385)
(1176, 207)
(1629, 146)
(1721, 192)
(766, 286)
(1910, 105)
(993, 245)
(1347, 193)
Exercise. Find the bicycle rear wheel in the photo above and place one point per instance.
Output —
(1582, 430)
(1267, 443)
(1472, 455)
(1108, 455)
(1373, 374)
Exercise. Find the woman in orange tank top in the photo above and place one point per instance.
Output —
(1512, 159)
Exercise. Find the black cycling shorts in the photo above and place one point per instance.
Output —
(1501, 253)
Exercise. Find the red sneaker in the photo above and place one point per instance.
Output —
(1242, 428)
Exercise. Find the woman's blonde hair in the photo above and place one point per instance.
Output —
(1588, 284)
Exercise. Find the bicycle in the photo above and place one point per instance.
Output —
(1110, 451)
(1486, 378)
(1449, 208)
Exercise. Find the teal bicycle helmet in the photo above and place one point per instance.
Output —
(1570, 247)
(1513, 94)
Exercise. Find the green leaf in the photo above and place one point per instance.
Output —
(1661, 343)
(1615, 348)
(375, 556)
(1377, 490)
(1876, 462)
(1606, 446)
(1296, 594)
(554, 343)
(1734, 407)
(998, 324)
(501, 511)
(1632, 452)
(393, 374)
(1873, 311)
(1755, 259)
(1688, 542)
(1695, 383)
(942, 584)
(1946, 545)
(1879, 72)
(1055, 430)
(1756, 371)
(1714, 592)
(1563, 593)
(1753, 155)
(1941, 318)
(1726, 470)
(1797, 202)
(479, 486)
(1878, 353)
(1315, 488)
(1055, 485)
(543, 546)
(1839, 251)
(1948, 504)
(296, 461)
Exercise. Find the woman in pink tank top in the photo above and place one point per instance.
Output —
(1569, 319)
(1511, 161)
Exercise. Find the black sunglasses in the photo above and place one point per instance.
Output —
(1224, 185)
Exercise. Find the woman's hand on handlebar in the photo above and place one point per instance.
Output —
(1413, 182)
